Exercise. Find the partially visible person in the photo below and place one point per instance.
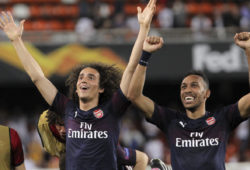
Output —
(11, 151)
(52, 132)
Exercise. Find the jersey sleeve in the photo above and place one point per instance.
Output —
(17, 157)
(162, 116)
(59, 104)
(126, 156)
(119, 103)
(232, 115)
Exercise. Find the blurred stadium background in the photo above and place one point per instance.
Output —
(198, 34)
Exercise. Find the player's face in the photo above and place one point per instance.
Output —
(87, 87)
(193, 92)
(61, 129)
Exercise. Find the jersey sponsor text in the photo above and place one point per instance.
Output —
(194, 142)
(86, 132)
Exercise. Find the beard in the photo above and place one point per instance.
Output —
(193, 107)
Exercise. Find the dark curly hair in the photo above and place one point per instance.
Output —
(110, 77)
(54, 118)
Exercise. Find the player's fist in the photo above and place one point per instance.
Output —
(242, 40)
(152, 43)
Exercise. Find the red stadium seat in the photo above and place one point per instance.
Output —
(28, 25)
(193, 8)
(39, 25)
(55, 25)
(130, 9)
(35, 11)
(69, 25)
(206, 8)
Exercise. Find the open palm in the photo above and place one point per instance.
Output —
(8, 25)
(145, 16)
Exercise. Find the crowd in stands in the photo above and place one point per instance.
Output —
(96, 14)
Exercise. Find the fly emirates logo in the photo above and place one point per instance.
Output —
(86, 132)
(196, 140)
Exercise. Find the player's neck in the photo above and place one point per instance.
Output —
(89, 104)
(197, 112)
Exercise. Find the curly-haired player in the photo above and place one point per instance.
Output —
(52, 132)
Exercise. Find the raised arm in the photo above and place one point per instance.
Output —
(141, 160)
(14, 33)
(144, 19)
(243, 41)
(135, 94)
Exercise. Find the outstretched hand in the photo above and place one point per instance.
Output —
(145, 16)
(8, 25)
(152, 43)
(242, 40)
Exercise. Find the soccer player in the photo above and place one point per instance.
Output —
(197, 138)
(97, 101)
(11, 150)
(52, 132)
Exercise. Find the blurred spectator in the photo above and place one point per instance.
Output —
(69, 1)
(151, 130)
(245, 16)
(242, 133)
(21, 11)
(200, 24)
(180, 15)
(132, 24)
(218, 23)
(119, 20)
(166, 17)
(101, 15)
(119, 6)
(230, 15)
(131, 136)
(85, 8)
(155, 148)
(85, 29)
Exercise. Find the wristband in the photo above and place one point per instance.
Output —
(145, 58)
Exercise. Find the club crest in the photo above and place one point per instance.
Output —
(98, 113)
(210, 121)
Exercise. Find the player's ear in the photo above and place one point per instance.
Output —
(208, 92)
(101, 90)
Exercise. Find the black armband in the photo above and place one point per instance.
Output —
(145, 58)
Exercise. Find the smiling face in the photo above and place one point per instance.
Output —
(194, 92)
(87, 87)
